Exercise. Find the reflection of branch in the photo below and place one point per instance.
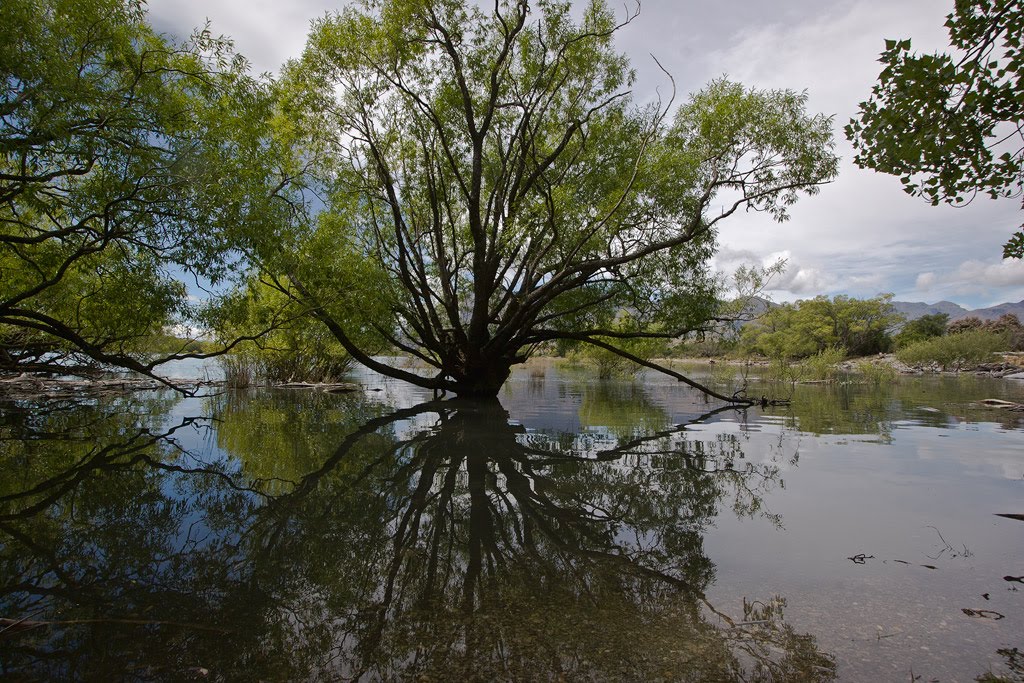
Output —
(310, 481)
(25, 624)
(547, 457)
(953, 552)
(104, 459)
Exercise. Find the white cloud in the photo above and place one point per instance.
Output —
(1000, 274)
(925, 280)
(267, 32)
(803, 281)
(795, 281)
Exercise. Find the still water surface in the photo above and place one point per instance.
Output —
(574, 529)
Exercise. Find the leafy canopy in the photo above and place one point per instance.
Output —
(127, 163)
(919, 329)
(500, 189)
(950, 125)
(805, 328)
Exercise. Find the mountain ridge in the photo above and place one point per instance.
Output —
(912, 310)
(916, 309)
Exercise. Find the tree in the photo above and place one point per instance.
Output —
(126, 164)
(925, 327)
(860, 326)
(952, 126)
(492, 170)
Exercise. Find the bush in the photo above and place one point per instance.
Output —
(919, 329)
(610, 364)
(877, 373)
(954, 351)
(823, 366)
(290, 344)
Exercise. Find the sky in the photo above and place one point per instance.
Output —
(861, 235)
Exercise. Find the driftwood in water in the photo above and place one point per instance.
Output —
(1010, 515)
(1001, 404)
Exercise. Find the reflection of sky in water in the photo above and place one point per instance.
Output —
(910, 475)
(917, 481)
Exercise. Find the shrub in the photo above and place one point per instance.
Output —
(824, 365)
(877, 373)
(919, 329)
(861, 326)
(290, 345)
(954, 351)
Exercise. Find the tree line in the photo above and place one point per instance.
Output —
(860, 327)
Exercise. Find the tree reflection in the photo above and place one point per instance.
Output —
(438, 541)
(870, 410)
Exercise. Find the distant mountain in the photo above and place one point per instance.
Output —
(911, 310)
(915, 309)
(993, 312)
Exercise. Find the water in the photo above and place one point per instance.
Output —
(573, 530)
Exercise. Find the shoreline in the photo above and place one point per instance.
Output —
(30, 386)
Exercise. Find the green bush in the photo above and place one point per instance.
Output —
(954, 351)
(823, 366)
(920, 329)
(290, 344)
(877, 373)
(610, 364)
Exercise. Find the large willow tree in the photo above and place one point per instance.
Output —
(492, 185)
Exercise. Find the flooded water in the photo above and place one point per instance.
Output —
(574, 529)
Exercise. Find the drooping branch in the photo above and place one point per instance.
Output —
(593, 341)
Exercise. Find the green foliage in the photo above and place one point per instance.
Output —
(824, 365)
(488, 165)
(610, 364)
(954, 351)
(805, 328)
(285, 342)
(919, 329)
(127, 163)
(940, 121)
(877, 373)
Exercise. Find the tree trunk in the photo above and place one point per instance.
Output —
(482, 379)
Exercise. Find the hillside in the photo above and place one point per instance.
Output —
(916, 309)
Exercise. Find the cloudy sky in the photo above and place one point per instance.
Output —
(861, 235)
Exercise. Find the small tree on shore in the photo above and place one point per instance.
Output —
(859, 326)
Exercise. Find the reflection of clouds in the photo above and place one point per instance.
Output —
(1000, 457)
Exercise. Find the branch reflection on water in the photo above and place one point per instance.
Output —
(328, 537)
